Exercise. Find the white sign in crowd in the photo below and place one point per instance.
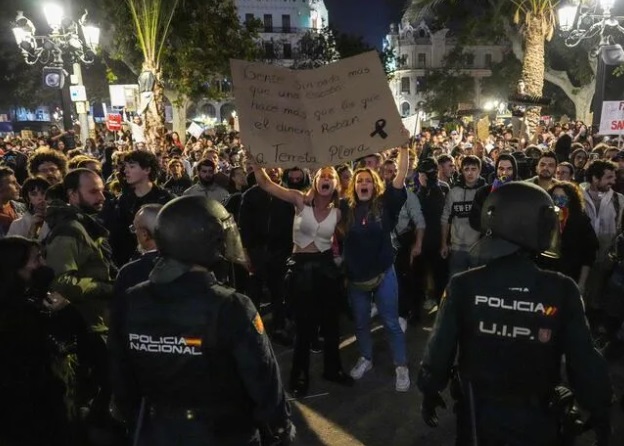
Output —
(612, 118)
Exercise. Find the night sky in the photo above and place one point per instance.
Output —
(368, 18)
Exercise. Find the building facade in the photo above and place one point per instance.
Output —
(420, 49)
(284, 22)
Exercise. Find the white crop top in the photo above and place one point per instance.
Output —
(307, 230)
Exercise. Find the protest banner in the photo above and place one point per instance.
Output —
(483, 129)
(612, 118)
(311, 118)
(113, 122)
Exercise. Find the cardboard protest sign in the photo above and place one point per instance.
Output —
(483, 129)
(311, 118)
(612, 118)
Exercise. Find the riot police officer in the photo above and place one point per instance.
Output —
(191, 362)
(510, 324)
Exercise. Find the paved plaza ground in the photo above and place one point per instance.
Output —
(372, 413)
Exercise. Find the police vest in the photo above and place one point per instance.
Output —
(176, 352)
(511, 319)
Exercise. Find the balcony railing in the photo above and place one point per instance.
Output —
(280, 30)
(286, 30)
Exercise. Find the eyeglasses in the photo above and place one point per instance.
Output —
(133, 229)
(47, 170)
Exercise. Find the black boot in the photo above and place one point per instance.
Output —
(339, 377)
(299, 385)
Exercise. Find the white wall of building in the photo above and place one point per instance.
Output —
(302, 13)
(425, 50)
(285, 21)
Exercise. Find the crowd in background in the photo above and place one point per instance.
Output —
(89, 225)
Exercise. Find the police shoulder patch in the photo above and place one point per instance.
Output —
(258, 324)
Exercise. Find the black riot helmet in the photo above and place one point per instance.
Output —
(197, 231)
(522, 214)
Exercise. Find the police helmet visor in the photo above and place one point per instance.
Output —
(524, 215)
(554, 249)
(234, 251)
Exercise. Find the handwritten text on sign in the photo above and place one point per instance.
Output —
(612, 118)
(310, 118)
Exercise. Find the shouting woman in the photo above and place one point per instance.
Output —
(315, 278)
(370, 214)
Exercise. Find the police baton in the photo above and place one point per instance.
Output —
(139, 424)
(463, 390)
(473, 415)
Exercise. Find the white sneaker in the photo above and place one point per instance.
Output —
(362, 366)
(403, 324)
(402, 383)
(429, 304)
(374, 310)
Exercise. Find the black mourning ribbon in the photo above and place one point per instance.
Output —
(379, 129)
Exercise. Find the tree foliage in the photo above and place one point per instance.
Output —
(444, 89)
(21, 84)
(504, 78)
(491, 21)
(318, 48)
(315, 49)
(203, 36)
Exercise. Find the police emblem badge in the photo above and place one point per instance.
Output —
(544, 335)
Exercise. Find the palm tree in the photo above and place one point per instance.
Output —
(151, 20)
(536, 19)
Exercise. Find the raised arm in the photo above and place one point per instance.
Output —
(292, 196)
(403, 163)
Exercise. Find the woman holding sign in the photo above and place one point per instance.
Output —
(314, 277)
(370, 213)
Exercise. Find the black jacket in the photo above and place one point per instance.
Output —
(135, 272)
(510, 325)
(178, 186)
(31, 396)
(578, 247)
(184, 343)
(265, 221)
(432, 201)
(121, 217)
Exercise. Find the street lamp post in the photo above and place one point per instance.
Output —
(76, 41)
(580, 22)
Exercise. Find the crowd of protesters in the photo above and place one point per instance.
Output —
(387, 230)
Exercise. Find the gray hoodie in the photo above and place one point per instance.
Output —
(457, 212)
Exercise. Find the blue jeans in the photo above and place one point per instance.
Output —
(387, 299)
